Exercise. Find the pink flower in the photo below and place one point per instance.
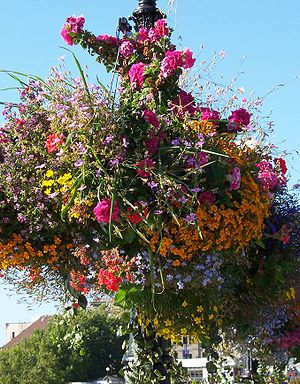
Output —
(142, 167)
(151, 118)
(71, 28)
(136, 75)
(54, 141)
(188, 60)
(235, 179)
(206, 197)
(269, 179)
(160, 28)
(108, 40)
(183, 105)
(143, 35)
(172, 61)
(238, 118)
(152, 143)
(126, 48)
(209, 114)
(102, 211)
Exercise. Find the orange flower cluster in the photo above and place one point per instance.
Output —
(18, 254)
(218, 228)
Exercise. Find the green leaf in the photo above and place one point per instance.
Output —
(120, 295)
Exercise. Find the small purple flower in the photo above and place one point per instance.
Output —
(191, 218)
(78, 163)
(180, 285)
(175, 142)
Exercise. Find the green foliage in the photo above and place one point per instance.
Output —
(72, 348)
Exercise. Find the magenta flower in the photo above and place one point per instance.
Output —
(143, 35)
(72, 27)
(151, 118)
(237, 119)
(172, 61)
(188, 60)
(184, 105)
(269, 179)
(160, 28)
(235, 179)
(102, 211)
(126, 48)
(209, 114)
(207, 197)
(136, 75)
(108, 40)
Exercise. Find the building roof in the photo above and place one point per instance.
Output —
(40, 324)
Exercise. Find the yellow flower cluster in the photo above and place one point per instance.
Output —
(18, 254)
(63, 184)
(219, 228)
(173, 330)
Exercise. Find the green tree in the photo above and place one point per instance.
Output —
(71, 348)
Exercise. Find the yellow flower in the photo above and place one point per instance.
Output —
(184, 304)
(168, 323)
(200, 308)
(198, 320)
(49, 173)
(211, 316)
(47, 183)
(183, 331)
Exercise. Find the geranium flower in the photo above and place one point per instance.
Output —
(102, 211)
(136, 75)
(72, 27)
(126, 48)
(108, 40)
(237, 119)
(151, 118)
(54, 141)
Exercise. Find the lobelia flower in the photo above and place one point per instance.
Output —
(235, 179)
(102, 211)
(72, 27)
(136, 75)
(126, 48)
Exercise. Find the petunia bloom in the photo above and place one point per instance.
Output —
(71, 28)
(102, 211)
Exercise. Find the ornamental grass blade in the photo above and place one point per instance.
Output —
(80, 71)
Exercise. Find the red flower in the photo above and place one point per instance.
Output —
(54, 141)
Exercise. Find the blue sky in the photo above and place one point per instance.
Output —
(265, 32)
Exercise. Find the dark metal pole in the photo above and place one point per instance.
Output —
(146, 14)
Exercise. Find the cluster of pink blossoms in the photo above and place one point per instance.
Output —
(291, 339)
(176, 59)
(153, 34)
(71, 28)
(269, 177)
(102, 211)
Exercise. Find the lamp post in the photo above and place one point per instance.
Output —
(146, 14)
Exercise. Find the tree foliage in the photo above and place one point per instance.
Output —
(72, 348)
